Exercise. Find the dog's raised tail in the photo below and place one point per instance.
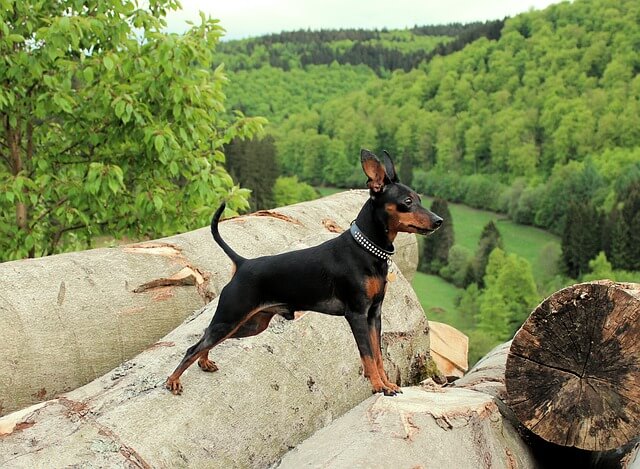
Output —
(234, 256)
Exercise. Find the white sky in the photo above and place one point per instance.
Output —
(246, 18)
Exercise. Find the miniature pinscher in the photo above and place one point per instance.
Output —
(345, 276)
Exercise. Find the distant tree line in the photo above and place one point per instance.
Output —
(352, 46)
(540, 122)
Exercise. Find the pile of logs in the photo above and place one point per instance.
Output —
(565, 390)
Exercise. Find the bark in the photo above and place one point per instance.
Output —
(488, 376)
(272, 391)
(70, 318)
(421, 428)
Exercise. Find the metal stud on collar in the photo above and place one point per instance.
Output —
(368, 245)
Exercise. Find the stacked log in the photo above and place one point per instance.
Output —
(570, 378)
(70, 318)
(272, 390)
(573, 371)
(564, 392)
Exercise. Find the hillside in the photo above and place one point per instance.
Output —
(538, 120)
(381, 50)
(549, 110)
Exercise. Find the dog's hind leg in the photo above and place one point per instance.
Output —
(257, 323)
(215, 333)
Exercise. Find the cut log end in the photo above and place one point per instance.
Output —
(573, 370)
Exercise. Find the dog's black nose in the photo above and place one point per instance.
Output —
(437, 221)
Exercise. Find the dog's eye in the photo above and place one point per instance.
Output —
(408, 201)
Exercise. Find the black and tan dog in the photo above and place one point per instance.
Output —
(345, 276)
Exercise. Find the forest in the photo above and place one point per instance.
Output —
(535, 117)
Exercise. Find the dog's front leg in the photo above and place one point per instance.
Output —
(375, 329)
(360, 328)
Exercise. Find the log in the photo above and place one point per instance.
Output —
(573, 370)
(488, 377)
(421, 428)
(70, 318)
(271, 392)
(449, 349)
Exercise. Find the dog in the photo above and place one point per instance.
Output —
(345, 276)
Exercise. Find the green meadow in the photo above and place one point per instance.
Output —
(438, 296)
(525, 241)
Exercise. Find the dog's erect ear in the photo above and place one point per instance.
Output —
(390, 167)
(374, 170)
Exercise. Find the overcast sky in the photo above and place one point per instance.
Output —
(245, 18)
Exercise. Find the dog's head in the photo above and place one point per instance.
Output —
(402, 205)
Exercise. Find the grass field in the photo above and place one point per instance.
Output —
(437, 297)
(525, 241)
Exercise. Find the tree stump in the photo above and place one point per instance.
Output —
(573, 370)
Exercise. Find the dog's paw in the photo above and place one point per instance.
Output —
(386, 390)
(207, 365)
(174, 386)
(394, 387)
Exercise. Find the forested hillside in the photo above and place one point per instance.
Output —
(536, 117)
(381, 51)
(543, 117)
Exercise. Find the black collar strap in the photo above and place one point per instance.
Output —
(368, 245)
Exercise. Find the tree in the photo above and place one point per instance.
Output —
(600, 268)
(490, 239)
(288, 190)
(509, 295)
(108, 125)
(435, 253)
(581, 238)
(406, 169)
(253, 164)
(457, 266)
(625, 229)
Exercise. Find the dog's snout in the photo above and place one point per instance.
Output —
(437, 222)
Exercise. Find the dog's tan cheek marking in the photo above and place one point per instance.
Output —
(394, 220)
(421, 220)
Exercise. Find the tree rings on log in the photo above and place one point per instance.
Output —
(573, 370)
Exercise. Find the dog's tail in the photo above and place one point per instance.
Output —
(234, 256)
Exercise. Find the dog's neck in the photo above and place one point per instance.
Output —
(373, 223)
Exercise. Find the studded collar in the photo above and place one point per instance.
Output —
(368, 245)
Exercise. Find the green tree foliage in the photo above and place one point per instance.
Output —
(600, 268)
(253, 164)
(379, 50)
(490, 239)
(581, 239)
(435, 253)
(624, 223)
(406, 169)
(456, 269)
(288, 190)
(573, 183)
(551, 100)
(108, 124)
(508, 297)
